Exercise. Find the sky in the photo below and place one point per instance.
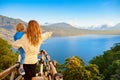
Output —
(79, 13)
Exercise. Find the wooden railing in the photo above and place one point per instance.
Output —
(11, 71)
(49, 74)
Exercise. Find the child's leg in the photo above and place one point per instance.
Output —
(19, 57)
(22, 59)
(21, 65)
(21, 69)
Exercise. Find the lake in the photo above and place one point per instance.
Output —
(86, 47)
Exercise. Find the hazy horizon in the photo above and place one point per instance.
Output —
(80, 13)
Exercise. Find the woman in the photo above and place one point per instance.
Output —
(31, 42)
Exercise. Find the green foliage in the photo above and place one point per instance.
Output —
(94, 71)
(7, 57)
(115, 70)
(109, 63)
(116, 47)
(99, 61)
(102, 67)
(74, 62)
(74, 69)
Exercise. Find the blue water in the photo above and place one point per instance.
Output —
(86, 47)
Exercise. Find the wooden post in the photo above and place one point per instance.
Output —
(12, 75)
(42, 52)
(19, 77)
(41, 64)
(8, 71)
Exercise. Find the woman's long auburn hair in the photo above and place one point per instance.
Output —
(33, 32)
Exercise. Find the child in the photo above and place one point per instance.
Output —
(18, 35)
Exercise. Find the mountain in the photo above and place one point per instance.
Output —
(62, 24)
(105, 27)
(9, 23)
(116, 27)
(63, 29)
(7, 29)
(102, 27)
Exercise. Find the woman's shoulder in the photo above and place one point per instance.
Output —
(24, 35)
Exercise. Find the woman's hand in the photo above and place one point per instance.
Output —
(49, 34)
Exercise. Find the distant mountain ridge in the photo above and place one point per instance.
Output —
(62, 24)
(117, 26)
(7, 29)
(6, 22)
(105, 27)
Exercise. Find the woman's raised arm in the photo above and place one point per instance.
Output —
(46, 35)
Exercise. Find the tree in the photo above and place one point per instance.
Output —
(76, 70)
(94, 71)
(116, 47)
(115, 70)
(108, 63)
(7, 56)
(74, 62)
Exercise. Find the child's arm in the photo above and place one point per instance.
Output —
(15, 38)
(17, 44)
